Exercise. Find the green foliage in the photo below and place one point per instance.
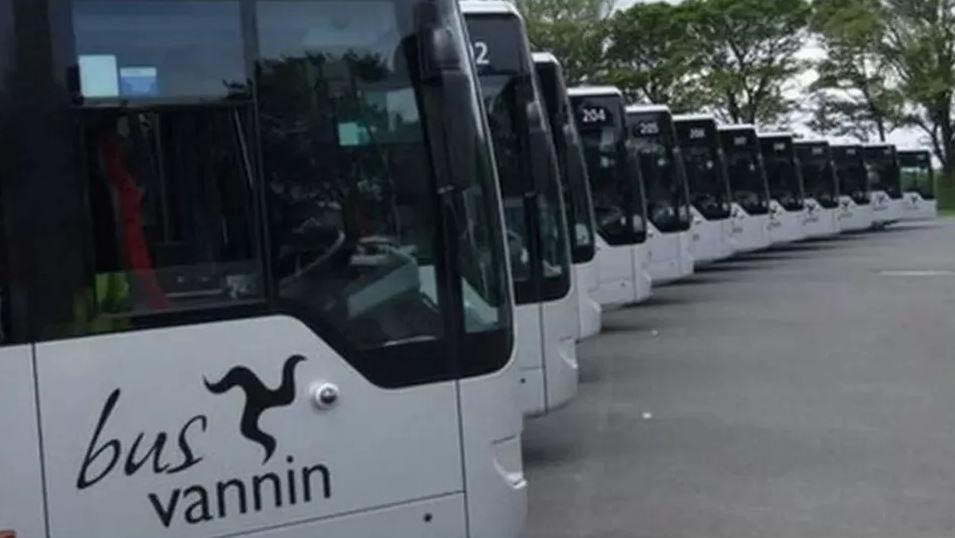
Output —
(651, 57)
(573, 30)
(919, 43)
(855, 92)
(749, 53)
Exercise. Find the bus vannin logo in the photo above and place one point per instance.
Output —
(258, 399)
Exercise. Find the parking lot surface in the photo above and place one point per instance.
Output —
(803, 392)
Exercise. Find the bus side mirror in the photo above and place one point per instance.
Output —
(438, 50)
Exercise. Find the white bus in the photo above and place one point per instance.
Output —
(618, 199)
(855, 204)
(547, 323)
(787, 206)
(822, 188)
(710, 193)
(272, 296)
(885, 183)
(918, 185)
(653, 135)
(580, 211)
(744, 164)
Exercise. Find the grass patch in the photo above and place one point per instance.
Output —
(946, 198)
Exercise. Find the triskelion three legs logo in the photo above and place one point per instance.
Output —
(259, 398)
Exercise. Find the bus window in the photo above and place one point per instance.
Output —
(782, 172)
(745, 168)
(572, 168)
(917, 174)
(533, 209)
(882, 166)
(664, 178)
(615, 186)
(851, 172)
(818, 173)
(169, 183)
(705, 172)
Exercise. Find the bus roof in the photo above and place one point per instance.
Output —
(695, 117)
(777, 134)
(737, 127)
(595, 91)
(638, 109)
(489, 7)
(545, 58)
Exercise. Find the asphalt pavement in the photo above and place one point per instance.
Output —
(807, 391)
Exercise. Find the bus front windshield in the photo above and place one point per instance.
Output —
(782, 173)
(567, 143)
(337, 131)
(747, 176)
(851, 172)
(617, 196)
(882, 166)
(819, 174)
(917, 173)
(661, 168)
(705, 168)
(536, 226)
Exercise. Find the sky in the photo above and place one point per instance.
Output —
(903, 138)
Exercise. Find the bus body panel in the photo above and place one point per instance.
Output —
(885, 210)
(217, 429)
(438, 518)
(820, 221)
(914, 207)
(21, 498)
(670, 258)
(590, 313)
(617, 283)
(491, 425)
(560, 327)
(750, 232)
(852, 216)
(711, 239)
(530, 358)
(785, 226)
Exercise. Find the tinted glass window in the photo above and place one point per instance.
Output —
(917, 174)
(882, 166)
(533, 209)
(143, 50)
(570, 159)
(705, 171)
(782, 173)
(818, 174)
(615, 186)
(744, 165)
(169, 188)
(851, 172)
(664, 179)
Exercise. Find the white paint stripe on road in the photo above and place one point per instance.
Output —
(919, 273)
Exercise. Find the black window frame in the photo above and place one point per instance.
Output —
(754, 155)
(851, 172)
(768, 146)
(921, 159)
(812, 154)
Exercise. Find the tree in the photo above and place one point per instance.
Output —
(651, 58)
(575, 31)
(855, 92)
(749, 53)
(919, 43)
